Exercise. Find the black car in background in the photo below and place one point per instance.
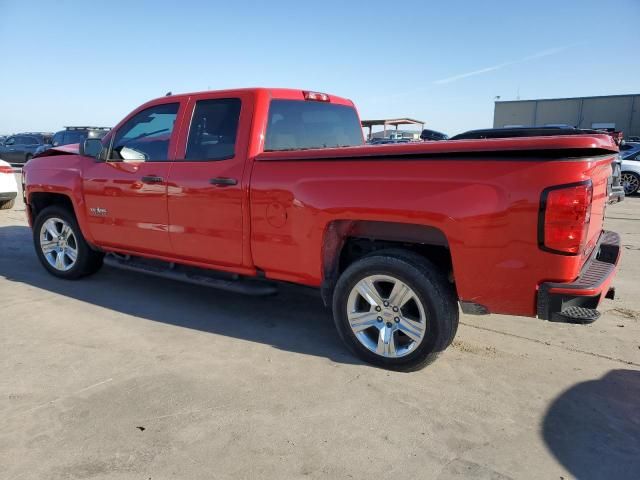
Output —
(433, 135)
(71, 135)
(19, 148)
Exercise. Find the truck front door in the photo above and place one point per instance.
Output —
(126, 196)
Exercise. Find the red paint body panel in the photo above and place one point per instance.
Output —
(137, 213)
(490, 225)
(483, 195)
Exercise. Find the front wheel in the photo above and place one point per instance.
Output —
(60, 246)
(395, 309)
(630, 182)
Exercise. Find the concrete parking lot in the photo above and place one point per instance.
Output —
(131, 377)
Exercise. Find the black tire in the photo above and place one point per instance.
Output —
(437, 295)
(7, 204)
(27, 158)
(88, 261)
(637, 183)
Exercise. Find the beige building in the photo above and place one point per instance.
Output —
(617, 112)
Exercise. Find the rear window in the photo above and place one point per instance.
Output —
(298, 125)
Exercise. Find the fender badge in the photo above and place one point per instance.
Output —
(98, 211)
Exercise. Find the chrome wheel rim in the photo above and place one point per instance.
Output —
(386, 316)
(58, 244)
(630, 183)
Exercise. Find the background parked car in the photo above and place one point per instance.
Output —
(2, 139)
(8, 186)
(71, 135)
(20, 148)
(387, 140)
(630, 168)
(433, 136)
(629, 149)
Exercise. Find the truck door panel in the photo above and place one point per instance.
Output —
(205, 192)
(126, 196)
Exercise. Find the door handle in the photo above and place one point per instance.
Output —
(152, 179)
(223, 181)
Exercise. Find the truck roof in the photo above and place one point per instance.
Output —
(279, 93)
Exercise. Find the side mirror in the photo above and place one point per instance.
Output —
(91, 147)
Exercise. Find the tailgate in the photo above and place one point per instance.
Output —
(605, 178)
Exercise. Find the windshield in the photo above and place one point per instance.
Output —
(299, 125)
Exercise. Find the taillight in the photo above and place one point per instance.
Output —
(316, 96)
(5, 169)
(564, 217)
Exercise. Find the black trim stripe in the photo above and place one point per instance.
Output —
(578, 154)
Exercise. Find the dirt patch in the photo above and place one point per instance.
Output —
(625, 313)
(487, 351)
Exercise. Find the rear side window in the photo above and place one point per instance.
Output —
(145, 137)
(27, 140)
(213, 130)
(299, 125)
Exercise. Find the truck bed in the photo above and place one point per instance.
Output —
(483, 195)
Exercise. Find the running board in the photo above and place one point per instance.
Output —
(196, 276)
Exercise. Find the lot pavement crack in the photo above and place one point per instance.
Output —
(549, 344)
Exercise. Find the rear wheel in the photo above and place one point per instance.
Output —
(630, 182)
(60, 246)
(7, 204)
(395, 309)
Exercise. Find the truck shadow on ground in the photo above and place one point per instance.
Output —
(593, 428)
(294, 320)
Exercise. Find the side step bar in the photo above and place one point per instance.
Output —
(207, 278)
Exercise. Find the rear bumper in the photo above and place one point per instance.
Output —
(588, 289)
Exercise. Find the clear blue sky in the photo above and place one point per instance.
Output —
(76, 62)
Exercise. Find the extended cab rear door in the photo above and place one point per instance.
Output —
(126, 195)
(206, 195)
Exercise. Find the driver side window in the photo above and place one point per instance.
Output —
(145, 136)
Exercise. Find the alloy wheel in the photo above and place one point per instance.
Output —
(386, 316)
(58, 244)
(630, 183)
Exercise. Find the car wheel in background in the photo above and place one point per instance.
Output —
(395, 309)
(60, 246)
(630, 182)
(7, 204)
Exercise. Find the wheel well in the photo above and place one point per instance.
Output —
(38, 201)
(348, 241)
(356, 248)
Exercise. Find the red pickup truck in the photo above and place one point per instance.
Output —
(241, 189)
